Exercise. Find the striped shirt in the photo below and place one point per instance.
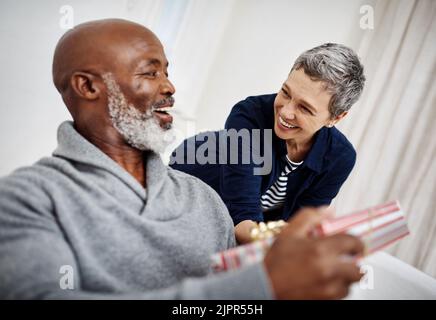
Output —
(275, 196)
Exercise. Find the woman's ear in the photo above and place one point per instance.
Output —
(85, 85)
(335, 120)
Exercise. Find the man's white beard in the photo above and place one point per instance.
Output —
(141, 130)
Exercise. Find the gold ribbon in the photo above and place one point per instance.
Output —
(267, 230)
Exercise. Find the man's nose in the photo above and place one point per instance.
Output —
(167, 88)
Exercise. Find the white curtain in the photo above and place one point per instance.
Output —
(393, 125)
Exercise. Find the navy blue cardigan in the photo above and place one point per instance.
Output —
(316, 182)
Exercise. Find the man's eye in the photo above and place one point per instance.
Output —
(150, 74)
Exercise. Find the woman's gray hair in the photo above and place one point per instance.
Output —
(339, 68)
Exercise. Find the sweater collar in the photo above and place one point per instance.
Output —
(74, 147)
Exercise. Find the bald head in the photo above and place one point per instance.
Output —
(98, 47)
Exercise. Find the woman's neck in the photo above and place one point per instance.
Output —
(297, 150)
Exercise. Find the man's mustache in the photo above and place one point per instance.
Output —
(148, 114)
(164, 102)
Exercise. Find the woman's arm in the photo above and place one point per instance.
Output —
(240, 184)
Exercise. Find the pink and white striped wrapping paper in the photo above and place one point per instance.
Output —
(377, 227)
(240, 256)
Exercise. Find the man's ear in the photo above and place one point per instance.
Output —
(338, 118)
(85, 85)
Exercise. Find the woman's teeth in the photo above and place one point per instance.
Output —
(285, 124)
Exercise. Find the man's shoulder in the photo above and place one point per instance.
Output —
(208, 209)
(31, 174)
(197, 190)
(40, 178)
(186, 180)
(27, 191)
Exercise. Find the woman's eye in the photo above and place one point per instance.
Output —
(306, 110)
(286, 94)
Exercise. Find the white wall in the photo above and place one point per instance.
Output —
(31, 109)
(261, 42)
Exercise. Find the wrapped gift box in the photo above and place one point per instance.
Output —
(377, 227)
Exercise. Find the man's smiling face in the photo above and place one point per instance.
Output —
(139, 94)
(301, 107)
(142, 75)
(112, 75)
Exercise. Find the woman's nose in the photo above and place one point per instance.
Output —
(288, 111)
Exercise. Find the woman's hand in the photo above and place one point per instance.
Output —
(299, 226)
(242, 231)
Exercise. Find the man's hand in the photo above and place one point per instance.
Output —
(305, 268)
(307, 219)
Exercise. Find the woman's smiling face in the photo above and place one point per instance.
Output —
(301, 108)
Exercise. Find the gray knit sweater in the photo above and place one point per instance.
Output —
(77, 225)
